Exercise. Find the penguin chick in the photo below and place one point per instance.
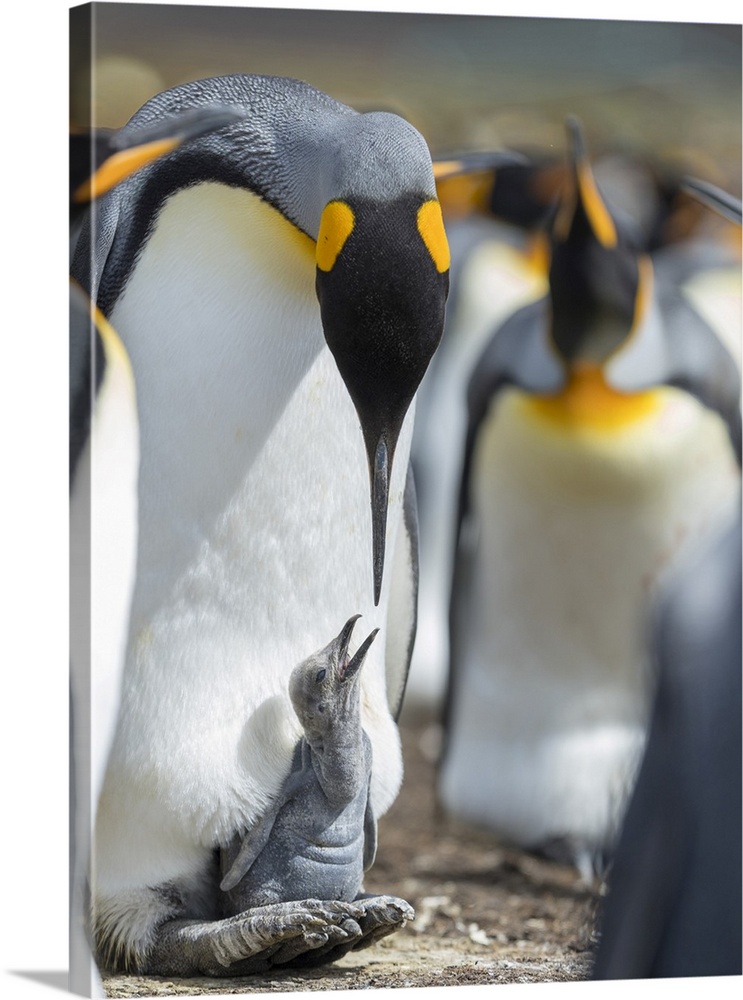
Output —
(312, 841)
(320, 834)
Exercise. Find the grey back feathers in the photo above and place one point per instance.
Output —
(301, 147)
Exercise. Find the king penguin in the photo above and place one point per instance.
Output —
(496, 267)
(497, 211)
(104, 462)
(280, 287)
(673, 907)
(603, 440)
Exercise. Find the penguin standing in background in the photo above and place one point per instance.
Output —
(603, 441)
(497, 217)
(280, 288)
(104, 462)
(674, 903)
(497, 267)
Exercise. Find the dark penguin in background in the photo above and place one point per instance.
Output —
(603, 441)
(280, 288)
(675, 901)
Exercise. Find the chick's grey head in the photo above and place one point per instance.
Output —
(324, 688)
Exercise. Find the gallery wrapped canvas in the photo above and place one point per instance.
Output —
(404, 401)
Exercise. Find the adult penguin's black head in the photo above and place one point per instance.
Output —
(361, 186)
(382, 280)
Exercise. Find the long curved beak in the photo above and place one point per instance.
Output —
(380, 467)
(725, 204)
(588, 196)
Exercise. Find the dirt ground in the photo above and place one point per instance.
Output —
(485, 913)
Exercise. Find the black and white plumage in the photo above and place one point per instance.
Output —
(603, 440)
(276, 285)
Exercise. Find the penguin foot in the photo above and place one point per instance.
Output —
(590, 860)
(382, 915)
(253, 941)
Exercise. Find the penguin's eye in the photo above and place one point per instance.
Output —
(321, 707)
(431, 228)
(320, 676)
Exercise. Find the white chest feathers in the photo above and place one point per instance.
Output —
(574, 525)
(255, 537)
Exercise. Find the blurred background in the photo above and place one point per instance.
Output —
(466, 81)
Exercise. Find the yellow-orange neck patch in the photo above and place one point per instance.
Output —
(336, 225)
(588, 401)
(537, 254)
(433, 234)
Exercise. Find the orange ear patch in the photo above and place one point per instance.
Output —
(433, 234)
(336, 225)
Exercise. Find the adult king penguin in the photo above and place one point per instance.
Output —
(276, 284)
(604, 428)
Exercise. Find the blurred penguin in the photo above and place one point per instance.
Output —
(498, 216)
(104, 466)
(603, 441)
(498, 251)
(674, 902)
